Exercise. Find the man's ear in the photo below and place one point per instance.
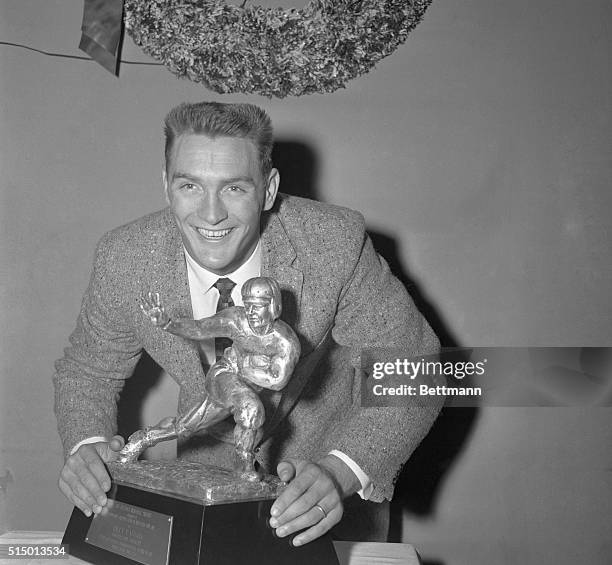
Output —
(165, 185)
(271, 189)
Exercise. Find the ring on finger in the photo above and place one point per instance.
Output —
(319, 507)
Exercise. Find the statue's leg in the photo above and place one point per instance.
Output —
(142, 439)
(249, 416)
(200, 417)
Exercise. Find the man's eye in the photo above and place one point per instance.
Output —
(188, 187)
(234, 188)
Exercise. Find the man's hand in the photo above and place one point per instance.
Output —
(313, 498)
(84, 479)
(152, 307)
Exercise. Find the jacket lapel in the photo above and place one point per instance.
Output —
(279, 262)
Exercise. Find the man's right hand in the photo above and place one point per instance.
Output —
(84, 479)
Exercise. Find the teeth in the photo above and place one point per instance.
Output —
(213, 234)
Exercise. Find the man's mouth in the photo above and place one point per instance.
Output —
(213, 235)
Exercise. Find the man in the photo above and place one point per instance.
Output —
(262, 355)
(226, 220)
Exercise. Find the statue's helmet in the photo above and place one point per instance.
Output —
(265, 291)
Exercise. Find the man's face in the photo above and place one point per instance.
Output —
(217, 193)
(258, 313)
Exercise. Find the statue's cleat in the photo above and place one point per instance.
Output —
(251, 476)
(134, 447)
(130, 453)
(137, 437)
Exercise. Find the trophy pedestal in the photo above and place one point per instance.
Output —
(181, 513)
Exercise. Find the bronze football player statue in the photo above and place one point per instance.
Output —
(263, 355)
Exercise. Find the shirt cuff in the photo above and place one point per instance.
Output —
(94, 439)
(366, 484)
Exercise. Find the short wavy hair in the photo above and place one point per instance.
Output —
(214, 119)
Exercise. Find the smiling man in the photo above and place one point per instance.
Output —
(217, 189)
(227, 223)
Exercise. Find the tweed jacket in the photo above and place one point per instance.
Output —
(336, 292)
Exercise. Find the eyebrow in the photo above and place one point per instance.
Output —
(180, 175)
(187, 176)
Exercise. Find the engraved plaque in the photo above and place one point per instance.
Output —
(139, 534)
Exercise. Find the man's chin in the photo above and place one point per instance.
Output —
(218, 257)
(218, 265)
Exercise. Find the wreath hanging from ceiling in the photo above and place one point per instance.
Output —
(271, 51)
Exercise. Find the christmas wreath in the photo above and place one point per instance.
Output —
(271, 51)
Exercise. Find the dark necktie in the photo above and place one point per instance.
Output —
(224, 286)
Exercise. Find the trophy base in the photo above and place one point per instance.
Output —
(181, 513)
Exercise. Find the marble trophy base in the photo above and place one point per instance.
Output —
(183, 513)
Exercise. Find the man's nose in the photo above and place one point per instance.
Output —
(212, 209)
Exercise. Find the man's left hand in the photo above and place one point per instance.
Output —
(313, 498)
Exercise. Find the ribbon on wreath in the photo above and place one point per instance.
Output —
(102, 31)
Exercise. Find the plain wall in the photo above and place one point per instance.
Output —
(481, 148)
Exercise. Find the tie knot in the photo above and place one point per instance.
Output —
(225, 287)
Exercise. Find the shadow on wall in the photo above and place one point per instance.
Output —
(145, 378)
(421, 478)
(297, 164)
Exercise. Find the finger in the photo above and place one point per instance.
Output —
(297, 487)
(73, 498)
(102, 453)
(88, 489)
(117, 443)
(78, 488)
(85, 464)
(98, 470)
(328, 498)
(300, 505)
(311, 485)
(331, 509)
(285, 471)
(157, 300)
(317, 530)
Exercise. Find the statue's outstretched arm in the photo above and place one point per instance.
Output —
(220, 325)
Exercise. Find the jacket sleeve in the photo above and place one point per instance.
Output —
(375, 310)
(103, 352)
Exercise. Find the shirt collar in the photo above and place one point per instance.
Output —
(206, 279)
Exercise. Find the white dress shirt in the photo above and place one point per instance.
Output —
(204, 298)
